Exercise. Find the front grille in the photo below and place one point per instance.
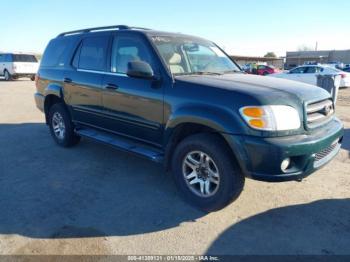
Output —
(325, 152)
(319, 112)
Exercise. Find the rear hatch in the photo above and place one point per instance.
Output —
(25, 64)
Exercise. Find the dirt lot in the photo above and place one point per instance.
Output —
(94, 200)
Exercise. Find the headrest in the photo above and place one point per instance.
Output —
(175, 59)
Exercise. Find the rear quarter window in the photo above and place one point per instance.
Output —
(57, 52)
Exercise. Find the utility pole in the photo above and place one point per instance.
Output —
(316, 47)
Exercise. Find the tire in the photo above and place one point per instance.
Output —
(7, 75)
(32, 78)
(61, 126)
(266, 73)
(231, 180)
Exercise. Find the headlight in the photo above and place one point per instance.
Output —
(271, 118)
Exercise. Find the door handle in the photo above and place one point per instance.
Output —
(67, 80)
(111, 87)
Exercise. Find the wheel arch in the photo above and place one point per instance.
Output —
(53, 94)
(186, 129)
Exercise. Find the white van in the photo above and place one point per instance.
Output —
(14, 66)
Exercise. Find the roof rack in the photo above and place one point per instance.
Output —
(113, 27)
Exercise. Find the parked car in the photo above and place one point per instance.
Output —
(181, 101)
(337, 65)
(15, 65)
(347, 69)
(266, 70)
(308, 74)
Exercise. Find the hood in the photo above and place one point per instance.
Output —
(261, 86)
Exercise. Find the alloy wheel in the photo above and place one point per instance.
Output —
(201, 174)
(58, 126)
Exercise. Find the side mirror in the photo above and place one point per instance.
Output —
(140, 69)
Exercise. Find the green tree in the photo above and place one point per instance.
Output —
(270, 54)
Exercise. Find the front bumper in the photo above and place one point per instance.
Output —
(260, 158)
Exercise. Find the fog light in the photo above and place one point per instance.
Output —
(285, 164)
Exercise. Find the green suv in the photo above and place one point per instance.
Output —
(182, 101)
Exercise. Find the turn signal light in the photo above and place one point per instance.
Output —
(258, 123)
(253, 112)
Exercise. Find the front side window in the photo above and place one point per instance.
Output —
(93, 53)
(262, 67)
(128, 49)
(299, 70)
(311, 70)
(186, 55)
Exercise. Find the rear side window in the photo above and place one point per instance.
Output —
(57, 51)
(25, 58)
(93, 53)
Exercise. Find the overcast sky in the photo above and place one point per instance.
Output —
(241, 27)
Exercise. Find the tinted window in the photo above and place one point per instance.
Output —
(128, 49)
(2, 58)
(24, 58)
(298, 70)
(314, 70)
(311, 70)
(57, 51)
(8, 58)
(93, 53)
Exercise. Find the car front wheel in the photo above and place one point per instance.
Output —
(205, 172)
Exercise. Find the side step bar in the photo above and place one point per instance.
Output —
(122, 143)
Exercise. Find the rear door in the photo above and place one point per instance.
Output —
(134, 108)
(83, 84)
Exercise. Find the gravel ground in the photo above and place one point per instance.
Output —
(92, 199)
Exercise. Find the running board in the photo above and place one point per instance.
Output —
(122, 143)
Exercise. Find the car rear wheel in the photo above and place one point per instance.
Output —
(7, 75)
(206, 174)
(61, 126)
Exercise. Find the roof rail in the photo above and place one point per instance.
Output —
(88, 30)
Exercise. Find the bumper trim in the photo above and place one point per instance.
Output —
(39, 101)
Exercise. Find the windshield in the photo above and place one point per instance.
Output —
(186, 56)
(24, 58)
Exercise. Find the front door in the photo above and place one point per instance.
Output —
(133, 106)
